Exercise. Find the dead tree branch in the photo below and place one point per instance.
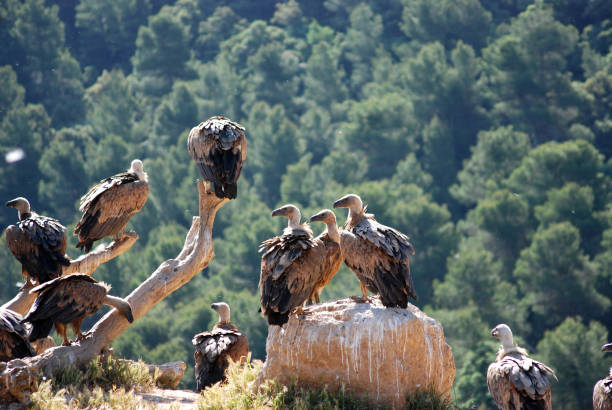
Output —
(19, 376)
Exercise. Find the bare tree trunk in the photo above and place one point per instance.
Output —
(19, 377)
(87, 263)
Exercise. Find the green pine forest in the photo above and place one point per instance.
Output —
(480, 128)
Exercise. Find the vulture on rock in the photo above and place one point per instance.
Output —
(219, 148)
(377, 254)
(292, 266)
(13, 337)
(38, 242)
(602, 393)
(69, 300)
(515, 381)
(327, 245)
(108, 206)
(214, 348)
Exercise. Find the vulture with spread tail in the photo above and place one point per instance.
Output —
(516, 381)
(219, 148)
(108, 206)
(214, 349)
(38, 242)
(602, 393)
(69, 300)
(327, 245)
(295, 266)
(14, 342)
(377, 254)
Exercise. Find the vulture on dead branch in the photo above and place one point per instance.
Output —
(327, 247)
(291, 266)
(214, 349)
(515, 381)
(13, 337)
(108, 206)
(219, 148)
(602, 393)
(69, 300)
(38, 242)
(377, 254)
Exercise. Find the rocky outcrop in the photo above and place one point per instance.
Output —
(382, 353)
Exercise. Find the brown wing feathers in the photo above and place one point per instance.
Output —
(218, 147)
(108, 206)
(212, 349)
(39, 243)
(13, 337)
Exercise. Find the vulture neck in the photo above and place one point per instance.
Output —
(24, 215)
(294, 221)
(355, 214)
(508, 347)
(142, 176)
(332, 231)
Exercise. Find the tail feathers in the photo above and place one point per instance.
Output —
(121, 305)
(226, 190)
(278, 319)
(40, 329)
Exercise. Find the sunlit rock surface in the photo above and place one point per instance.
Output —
(384, 353)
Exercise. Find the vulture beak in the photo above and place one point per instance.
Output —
(280, 212)
(607, 347)
(494, 332)
(320, 217)
(214, 306)
(11, 204)
(341, 203)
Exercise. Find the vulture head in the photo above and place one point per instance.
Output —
(350, 201)
(291, 212)
(137, 168)
(223, 310)
(21, 204)
(607, 347)
(325, 216)
(504, 334)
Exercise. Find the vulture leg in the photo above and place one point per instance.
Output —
(76, 328)
(62, 330)
(318, 297)
(364, 298)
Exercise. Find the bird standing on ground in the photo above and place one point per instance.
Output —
(516, 381)
(377, 254)
(38, 242)
(13, 337)
(69, 300)
(602, 393)
(214, 348)
(219, 148)
(108, 206)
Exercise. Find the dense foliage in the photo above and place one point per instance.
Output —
(480, 128)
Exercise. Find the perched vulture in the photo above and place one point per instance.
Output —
(515, 381)
(214, 348)
(327, 245)
(38, 242)
(108, 206)
(13, 337)
(69, 300)
(377, 254)
(218, 146)
(290, 267)
(602, 393)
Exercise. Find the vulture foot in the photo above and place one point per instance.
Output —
(361, 299)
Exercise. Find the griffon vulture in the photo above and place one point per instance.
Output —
(377, 254)
(38, 242)
(69, 300)
(289, 271)
(108, 206)
(13, 337)
(602, 393)
(219, 148)
(328, 245)
(515, 381)
(214, 348)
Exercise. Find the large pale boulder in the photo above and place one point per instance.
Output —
(382, 353)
